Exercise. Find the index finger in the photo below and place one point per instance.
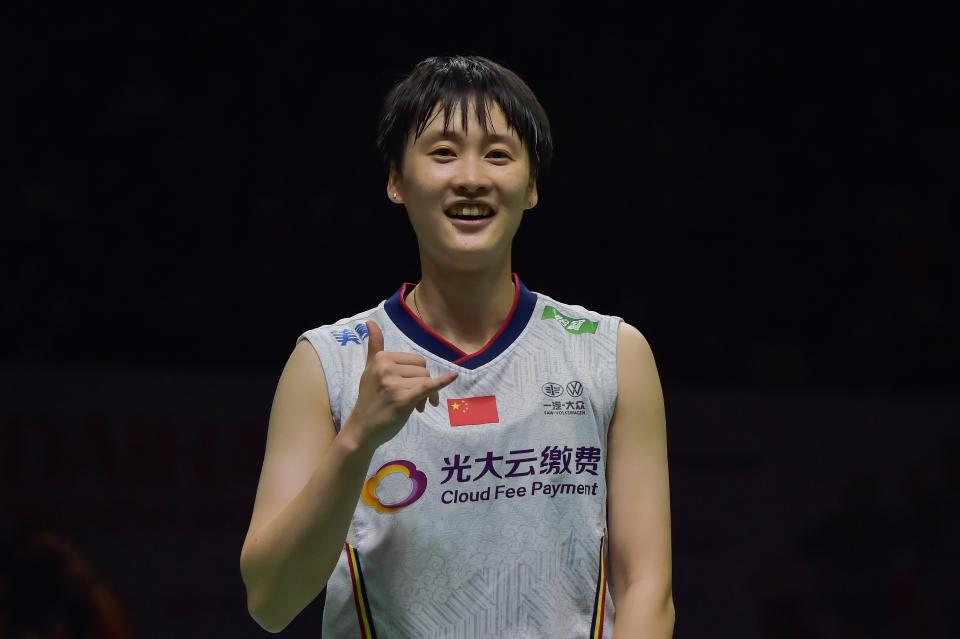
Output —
(402, 357)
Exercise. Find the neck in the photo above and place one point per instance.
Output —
(465, 307)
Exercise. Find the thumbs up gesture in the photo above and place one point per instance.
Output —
(392, 384)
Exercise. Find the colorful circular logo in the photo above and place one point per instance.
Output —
(419, 480)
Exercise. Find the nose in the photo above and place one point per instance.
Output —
(471, 175)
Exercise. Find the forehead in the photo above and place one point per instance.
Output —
(497, 127)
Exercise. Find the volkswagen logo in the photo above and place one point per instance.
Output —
(575, 389)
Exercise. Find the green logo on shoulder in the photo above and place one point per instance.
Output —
(573, 325)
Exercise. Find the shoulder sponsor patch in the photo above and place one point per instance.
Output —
(573, 325)
(346, 336)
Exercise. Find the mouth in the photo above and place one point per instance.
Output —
(470, 212)
(470, 217)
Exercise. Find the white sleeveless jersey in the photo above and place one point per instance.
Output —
(484, 517)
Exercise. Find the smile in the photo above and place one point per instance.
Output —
(469, 211)
(470, 223)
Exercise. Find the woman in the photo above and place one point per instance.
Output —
(537, 477)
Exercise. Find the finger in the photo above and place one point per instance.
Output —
(417, 389)
(429, 387)
(444, 380)
(407, 370)
(374, 339)
(434, 398)
(402, 357)
(421, 405)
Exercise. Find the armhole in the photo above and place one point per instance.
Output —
(331, 372)
(609, 366)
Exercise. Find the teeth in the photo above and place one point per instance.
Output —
(472, 211)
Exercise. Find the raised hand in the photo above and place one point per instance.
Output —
(392, 384)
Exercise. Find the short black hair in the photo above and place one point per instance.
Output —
(455, 79)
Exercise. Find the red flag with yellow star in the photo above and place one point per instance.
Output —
(466, 411)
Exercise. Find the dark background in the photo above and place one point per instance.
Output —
(765, 194)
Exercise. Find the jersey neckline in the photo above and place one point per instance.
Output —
(413, 327)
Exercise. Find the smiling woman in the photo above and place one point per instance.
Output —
(494, 521)
(479, 174)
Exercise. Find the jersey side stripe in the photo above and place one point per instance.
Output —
(599, 601)
(364, 618)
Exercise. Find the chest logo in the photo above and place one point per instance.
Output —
(552, 389)
(469, 411)
(564, 406)
(418, 486)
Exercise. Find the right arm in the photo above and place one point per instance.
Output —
(312, 475)
(309, 487)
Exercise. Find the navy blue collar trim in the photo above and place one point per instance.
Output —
(413, 327)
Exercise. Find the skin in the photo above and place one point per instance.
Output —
(304, 506)
(638, 496)
(465, 294)
(466, 289)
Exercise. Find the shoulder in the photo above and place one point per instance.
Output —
(344, 332)
(636, 366)
(634, 354)
(575, 318)
(631, 341)
(340, 349)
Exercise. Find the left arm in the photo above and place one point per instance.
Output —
(638, 496)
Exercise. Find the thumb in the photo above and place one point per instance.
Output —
(374, 339)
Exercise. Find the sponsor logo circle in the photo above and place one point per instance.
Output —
(552, 389)
(575, 389)
(418, 480)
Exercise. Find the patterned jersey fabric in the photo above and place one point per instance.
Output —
(484, 517)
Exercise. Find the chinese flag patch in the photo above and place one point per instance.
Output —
(466, 411)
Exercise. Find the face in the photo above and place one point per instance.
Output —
(440, 170)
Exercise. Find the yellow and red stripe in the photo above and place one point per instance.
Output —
(599, 601)
(364, 618)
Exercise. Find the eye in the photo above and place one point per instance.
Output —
(449, 153)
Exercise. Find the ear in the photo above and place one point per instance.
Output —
(532, 195)
(393, 186)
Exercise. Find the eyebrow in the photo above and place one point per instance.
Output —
(454, 135)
